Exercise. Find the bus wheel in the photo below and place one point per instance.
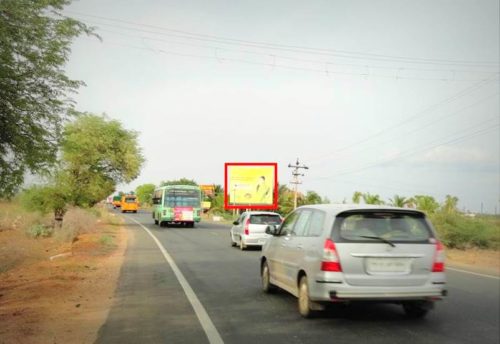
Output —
(156, 222)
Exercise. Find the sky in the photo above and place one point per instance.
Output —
(386, 97)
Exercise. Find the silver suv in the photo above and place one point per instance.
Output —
(330, 253)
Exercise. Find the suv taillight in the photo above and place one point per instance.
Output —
(331, 261)
(438, 264)
(247, 231)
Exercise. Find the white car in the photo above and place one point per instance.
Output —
(250, 228)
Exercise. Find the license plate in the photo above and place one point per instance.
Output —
(187, 215)
(388, 265)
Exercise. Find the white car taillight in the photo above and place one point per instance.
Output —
(247, 231)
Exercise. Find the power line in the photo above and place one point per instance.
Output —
(295, 48)
(415, 130)
(276, 65)
(413, 151)
(324, 63)
(405, 121)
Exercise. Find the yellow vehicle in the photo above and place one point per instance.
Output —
(129, 203)
(117, 202)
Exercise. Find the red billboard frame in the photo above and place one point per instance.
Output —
(249, 206)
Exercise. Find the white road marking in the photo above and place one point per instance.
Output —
(205, 321)
(472, 273)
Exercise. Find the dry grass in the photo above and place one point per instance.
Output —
(14, 217)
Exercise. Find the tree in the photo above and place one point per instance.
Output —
(145, 193)
(372, 199)
(426, 203)
(182, 181)
(399, 201)
(450, 204)
(356, 197)
(96, 155)
(35, 41)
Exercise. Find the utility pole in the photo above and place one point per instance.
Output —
(295, 178)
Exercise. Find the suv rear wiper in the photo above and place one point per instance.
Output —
(378, 238)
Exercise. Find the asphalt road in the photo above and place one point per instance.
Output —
(151, 305)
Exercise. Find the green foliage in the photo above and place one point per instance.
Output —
(399, 201)
(450, 204)
(35, 42)
(97, 154)
(145, 193)
(182, 181)
(426, 203)
(372, 199)
(356, 197)
(40, 231)
(45, 199)
(106, 240)
(458, 231)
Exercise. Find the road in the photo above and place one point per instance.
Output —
(151, 305)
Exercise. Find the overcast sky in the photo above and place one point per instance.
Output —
(387, 97)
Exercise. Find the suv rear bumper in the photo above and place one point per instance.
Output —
(341, 291)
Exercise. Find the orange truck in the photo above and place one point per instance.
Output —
(129, 203)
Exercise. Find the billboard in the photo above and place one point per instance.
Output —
(250, 185)
(208, 189)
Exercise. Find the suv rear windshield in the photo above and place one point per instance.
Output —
(367, 226)
(265, 219)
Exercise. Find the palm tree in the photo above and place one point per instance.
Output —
(426, 203)
(356, 197)
(450, 204)
(399, 201)
(372, 199)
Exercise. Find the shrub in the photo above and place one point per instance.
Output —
(40, 231)
(458, 231)
(77, 221)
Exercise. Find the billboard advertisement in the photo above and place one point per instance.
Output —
(251, 185)
(208, 189)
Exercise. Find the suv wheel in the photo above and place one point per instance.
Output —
(304, 301)
(266, 280)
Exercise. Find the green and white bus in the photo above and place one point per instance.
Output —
(177, 204)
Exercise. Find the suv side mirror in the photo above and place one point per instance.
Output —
(272, 229)
(236, 223)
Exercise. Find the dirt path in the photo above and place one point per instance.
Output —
(64, 300)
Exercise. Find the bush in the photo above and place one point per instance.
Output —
(76, 221)
(458, 231)
(40, 231)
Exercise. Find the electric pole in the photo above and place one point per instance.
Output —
(295, 179)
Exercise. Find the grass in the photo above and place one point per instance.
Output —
(458, 231)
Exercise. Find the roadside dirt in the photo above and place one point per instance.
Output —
(64, 300)
(475, 260)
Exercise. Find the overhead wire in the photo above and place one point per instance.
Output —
(296, 48)
(405, 121)
(414, 151)
(325, 63)
(411, 131)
